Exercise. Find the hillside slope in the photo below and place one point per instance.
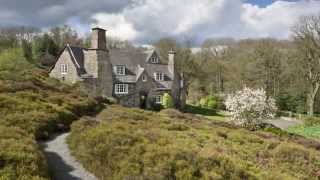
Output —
(127, 143)
(31, 107)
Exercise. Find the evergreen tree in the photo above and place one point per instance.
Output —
(27, 50)
(46, 50)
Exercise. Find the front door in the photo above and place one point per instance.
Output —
(143, 100)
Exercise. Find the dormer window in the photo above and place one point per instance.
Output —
(120, 70)
(159, 76)
(154, 60)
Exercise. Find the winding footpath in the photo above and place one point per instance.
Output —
(62, 165)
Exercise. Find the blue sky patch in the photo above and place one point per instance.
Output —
(264, 3)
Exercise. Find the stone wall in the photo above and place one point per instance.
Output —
(71, 76)
(89, 86)
(131, 99)
(91, 63)
(105, 74)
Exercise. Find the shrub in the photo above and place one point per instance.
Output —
(20, 157)
(312, 121)
(210, 102)
(167, 101)
(31, 107)
(203, 102)
(249, 107)
(168, 145)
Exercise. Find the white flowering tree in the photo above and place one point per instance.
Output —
(249, 107)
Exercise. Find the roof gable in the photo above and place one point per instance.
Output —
(152, 54)
(76, 56)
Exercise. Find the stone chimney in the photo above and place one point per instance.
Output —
(171, 65)
(98, 39)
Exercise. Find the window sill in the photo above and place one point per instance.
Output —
(121, 93)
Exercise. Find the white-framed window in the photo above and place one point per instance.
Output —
(154, 60)
(63, 68)
(121, 89)
(144, 78)
(158, 76)
(120, 70)
(158, 99)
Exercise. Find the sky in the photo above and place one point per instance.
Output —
(145, 21)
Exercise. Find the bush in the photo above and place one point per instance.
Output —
(250, 107)
(312, 121)
(31, 107)
(20, 157)
(169, 145)
(210, 102)
(167, 101)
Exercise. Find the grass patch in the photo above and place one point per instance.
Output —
(205, 112)
(136, 144)
(306, 131)
(310, 128)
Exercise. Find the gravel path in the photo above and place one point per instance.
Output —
(62, 165)
(285, 122)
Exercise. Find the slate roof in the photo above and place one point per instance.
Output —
(77, 56)
(135, 61)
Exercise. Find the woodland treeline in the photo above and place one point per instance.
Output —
(289, 70)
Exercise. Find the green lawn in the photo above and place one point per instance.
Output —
(207, 113)
(306, 131)
(219, 116)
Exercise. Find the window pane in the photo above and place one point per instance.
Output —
(120, 70)
(121, 88)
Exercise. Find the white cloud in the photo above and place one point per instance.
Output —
(117, 26)
(144, 21)
(148, 20)
(276, 19)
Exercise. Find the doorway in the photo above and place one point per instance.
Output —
(143, 100)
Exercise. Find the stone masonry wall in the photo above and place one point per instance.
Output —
(105, 74)
(91, 63)
(71, 76)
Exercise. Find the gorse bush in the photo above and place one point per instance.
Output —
(135, 144)
(31, 107)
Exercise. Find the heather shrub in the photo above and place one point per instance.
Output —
(31, 107)
(312, 121)
(172, 145)
(20, 156)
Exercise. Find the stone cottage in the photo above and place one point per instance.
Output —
(136, 78)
